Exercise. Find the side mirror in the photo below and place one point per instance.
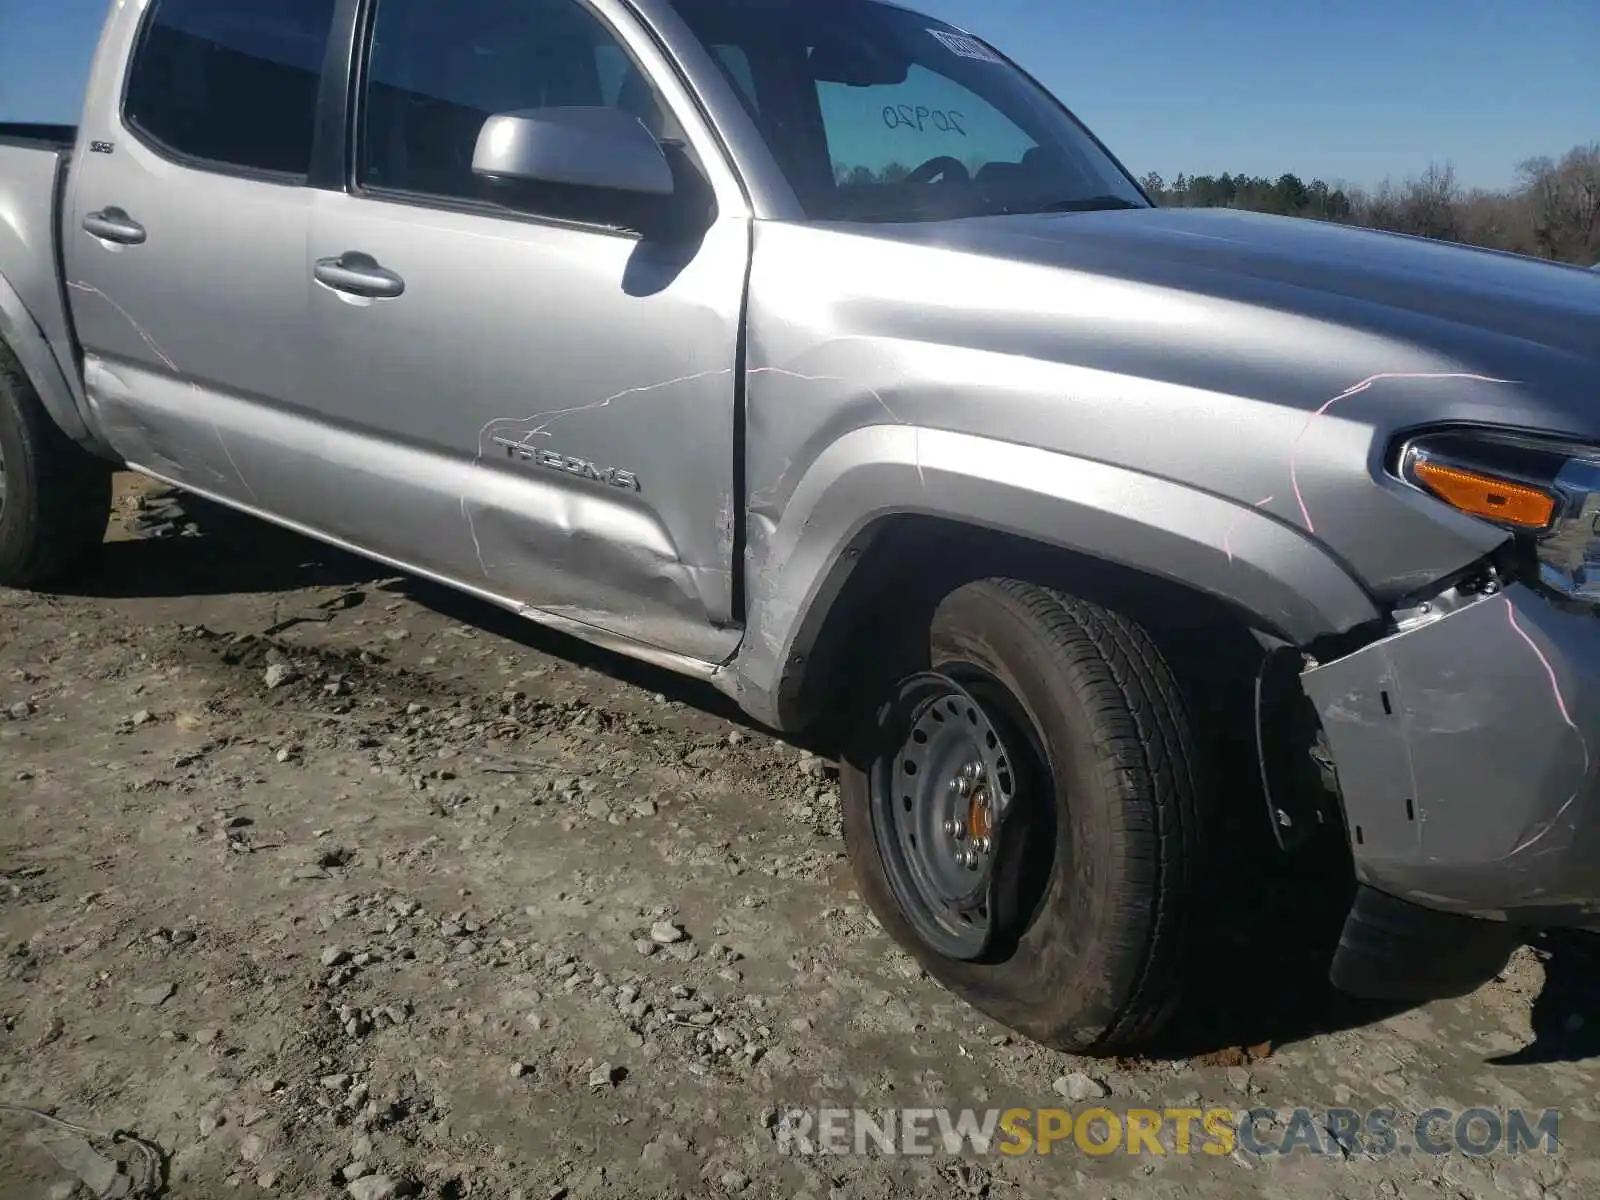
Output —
(578, 147)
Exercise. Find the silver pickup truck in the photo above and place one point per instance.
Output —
(812, 348)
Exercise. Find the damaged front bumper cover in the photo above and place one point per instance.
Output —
(1465, 746)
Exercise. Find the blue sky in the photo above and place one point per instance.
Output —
(1354, 91)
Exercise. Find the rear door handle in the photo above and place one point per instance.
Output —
(357, 274)
(113, 225)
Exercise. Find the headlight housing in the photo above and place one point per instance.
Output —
(1546, 491)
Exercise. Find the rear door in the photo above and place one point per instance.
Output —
(540, 404)
(185, 244)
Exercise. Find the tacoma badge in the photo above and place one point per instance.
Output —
(572, 466)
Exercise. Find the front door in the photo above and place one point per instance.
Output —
(532, 400)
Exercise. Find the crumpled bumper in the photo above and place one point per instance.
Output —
(1467, 751)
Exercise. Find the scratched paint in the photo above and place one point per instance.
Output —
(884, 404)
(1555, 684)
(1227, 534)
(477, 546)
(537, 425)
(1355, 390)
(540, 422)
(166, 360)
(1544, 827)
(139, 329)
(228, 454)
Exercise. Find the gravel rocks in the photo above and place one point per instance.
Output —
(1077, 1087)
(375, 1187)
(279, 675)
(154, 996)
(665, 933)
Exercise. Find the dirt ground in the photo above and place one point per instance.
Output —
(328, 883)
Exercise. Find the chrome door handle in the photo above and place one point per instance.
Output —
(358, 274)
(113, 225)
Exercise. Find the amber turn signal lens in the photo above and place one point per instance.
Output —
(1488, 497)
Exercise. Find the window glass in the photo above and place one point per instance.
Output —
(737, 65)
(877, 134)
(614, 67)
(438, 69)
(877, 113)
(232, 82)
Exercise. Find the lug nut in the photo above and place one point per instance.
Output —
(981, 845)
(961, 785)
(969, 859)
(955, 827)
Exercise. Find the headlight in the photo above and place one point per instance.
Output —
(1545, 491)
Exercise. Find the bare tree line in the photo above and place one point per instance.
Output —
(1552, 210)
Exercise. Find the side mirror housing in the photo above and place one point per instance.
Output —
(602, 148)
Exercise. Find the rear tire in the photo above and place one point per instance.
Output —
(1104, 877)
(55, 497)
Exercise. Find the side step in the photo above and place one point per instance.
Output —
(1392, 949)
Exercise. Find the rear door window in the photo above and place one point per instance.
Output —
(230, 83)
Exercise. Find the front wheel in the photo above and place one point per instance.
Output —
(1022, 813)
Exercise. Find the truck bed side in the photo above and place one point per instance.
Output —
(34, 318)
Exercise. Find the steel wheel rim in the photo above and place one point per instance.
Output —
(941, 798)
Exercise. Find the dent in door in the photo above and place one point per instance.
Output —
(594, 524)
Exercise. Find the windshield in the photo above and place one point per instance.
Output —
(879, 114)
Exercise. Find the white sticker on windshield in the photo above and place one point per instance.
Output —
(966, 47)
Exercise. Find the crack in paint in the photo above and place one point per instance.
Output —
(1566, 716)
(144, 336)
(1555, 684)
(128, 317)
(550, 418)
(525, 442)
(477, 546)
(228, 454)
(1534, 838)
(916, 434)
(1354, 390)
(1227, 534)
(761, 498)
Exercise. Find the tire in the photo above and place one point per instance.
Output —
(1112, 856)
(55, 497)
